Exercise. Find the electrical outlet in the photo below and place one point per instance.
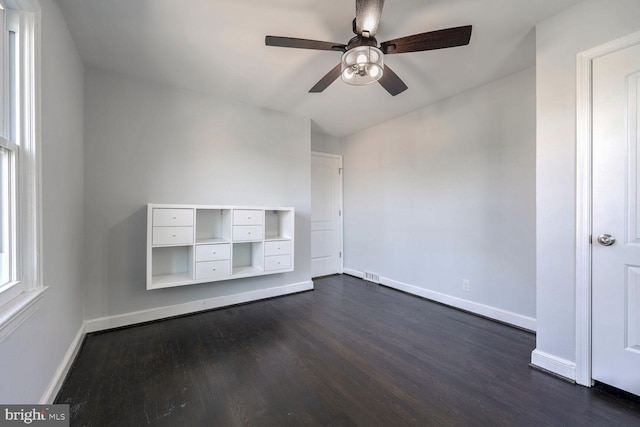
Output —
(466, 285)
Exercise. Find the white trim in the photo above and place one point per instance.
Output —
(551, 363)
(505, 316)
(158, 313)
(354, 273)
(583, 223)
(494, 313)
(584, 201)
(328, 155)
(28, 197)
(63, 369)
(30, 206)
(18, 310)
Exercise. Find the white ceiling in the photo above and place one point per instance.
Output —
(217, 47)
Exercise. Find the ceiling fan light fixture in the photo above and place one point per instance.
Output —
(362, 61)
(362, 65)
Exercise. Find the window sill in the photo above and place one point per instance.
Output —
(15, 312)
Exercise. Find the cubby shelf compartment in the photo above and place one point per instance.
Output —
(248, 259)
(171, 266)
(189, 244)
(213, 226)
(278, 224)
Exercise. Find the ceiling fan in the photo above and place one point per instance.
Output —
(363, 60)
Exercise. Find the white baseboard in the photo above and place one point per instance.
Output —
(505, 316)
(551, 363)
(158, 313)
(358, 274)
(63, 369)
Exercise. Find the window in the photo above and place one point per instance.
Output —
(9, 152)
(20, 284)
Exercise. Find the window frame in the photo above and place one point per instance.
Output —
(18, 302)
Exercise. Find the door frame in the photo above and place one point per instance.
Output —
(584, 200)
(341, 202)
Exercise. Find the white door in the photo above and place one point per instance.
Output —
(616, 212)
(326, 214)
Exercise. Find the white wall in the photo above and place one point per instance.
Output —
(324, 143)
(447, 193)
(30, 356)
(151, 143)
(559, 40)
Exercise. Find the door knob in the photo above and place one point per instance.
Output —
(606, 239)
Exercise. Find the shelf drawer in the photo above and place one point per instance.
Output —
(278, 262)
(172, 217)
(172, 235)
(247, 233)
(213, 252)
(213, 269)
(248, 217)
(280, 247)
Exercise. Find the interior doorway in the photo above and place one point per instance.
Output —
(326, 214)
(608, 238)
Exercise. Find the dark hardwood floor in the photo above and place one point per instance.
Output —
(349, 353)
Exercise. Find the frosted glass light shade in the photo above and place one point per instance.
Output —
(362, 65)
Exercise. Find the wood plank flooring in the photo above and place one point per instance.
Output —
(349, 353)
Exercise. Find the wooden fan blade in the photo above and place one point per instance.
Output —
(450, 37)
(368, 13)
(391, 82)
(329, 78)
(303, 43)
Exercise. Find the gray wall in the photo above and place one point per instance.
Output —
(32, 353)
(448, 193)
(559, 40)
(151, 143)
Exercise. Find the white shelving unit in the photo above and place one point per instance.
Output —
(189, 244)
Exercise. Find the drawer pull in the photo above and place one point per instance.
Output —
(173, 235)
(213, 269)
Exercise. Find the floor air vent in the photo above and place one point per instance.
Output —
(371, 277)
